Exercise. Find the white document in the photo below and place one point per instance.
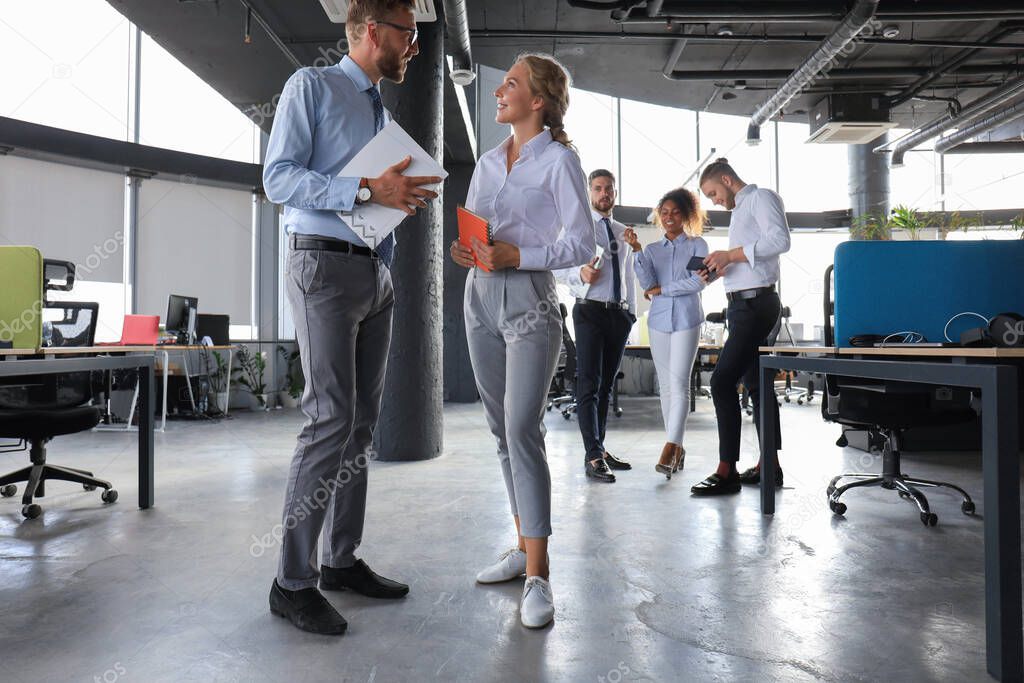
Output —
(371, 221)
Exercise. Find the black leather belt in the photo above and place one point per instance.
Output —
(614, 305)
(740, 294)
(308, 242)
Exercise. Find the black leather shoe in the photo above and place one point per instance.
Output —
(307, 609)
(362, 580)
(717, 486)
(753, 476)
(599, 470)
(616, 464)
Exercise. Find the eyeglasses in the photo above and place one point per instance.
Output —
(414, 33)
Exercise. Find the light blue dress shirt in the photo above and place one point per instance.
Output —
(604, 288)
(663, 263)
(324, 117)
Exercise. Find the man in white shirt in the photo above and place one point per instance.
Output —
(758, 235)
(605, 310)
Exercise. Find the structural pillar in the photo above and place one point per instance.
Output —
(869, 179)
(411, 420)
(459, 382)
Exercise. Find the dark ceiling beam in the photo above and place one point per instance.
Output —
(92, 151)
(716, 11)
(840, 74)
(606, 37)
(950, 64)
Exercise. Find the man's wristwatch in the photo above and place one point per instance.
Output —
(363, 194)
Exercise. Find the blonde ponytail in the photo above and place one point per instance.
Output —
(550, 81)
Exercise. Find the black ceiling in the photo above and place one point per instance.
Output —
(627, 55)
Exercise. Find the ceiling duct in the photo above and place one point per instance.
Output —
(337, 10)
(803, 75)
(971, 112)
(457, 45)
(983, 125)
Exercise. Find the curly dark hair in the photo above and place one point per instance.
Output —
(694, 216)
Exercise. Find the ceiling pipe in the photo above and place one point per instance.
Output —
(701, 38)
(296, 62)
(1011, 147)
(457, 45)
(983, 125)
(864, 72)
(618, 4)
(654, 7)
(677, 52)
(968, 114)
(706, 11)
(949, 65)
(859, 16)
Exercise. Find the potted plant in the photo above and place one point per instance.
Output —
(219, 382)
(906, 223)
(870, 226)
(294, 380)
(249, 374)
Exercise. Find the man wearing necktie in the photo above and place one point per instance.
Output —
(604, 314)
(341, 299)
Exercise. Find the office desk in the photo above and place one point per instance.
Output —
(703, 351)
(993, 372)
(53, 363)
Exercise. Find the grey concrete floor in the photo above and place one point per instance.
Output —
(649, 583)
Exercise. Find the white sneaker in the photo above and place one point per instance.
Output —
(511, 564)
(537, 608)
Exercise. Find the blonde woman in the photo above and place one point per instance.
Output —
(532, 190)
(676, 314)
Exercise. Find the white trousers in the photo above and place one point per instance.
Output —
(674, 353)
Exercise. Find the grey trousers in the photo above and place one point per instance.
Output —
(341, 305)
(514, 330)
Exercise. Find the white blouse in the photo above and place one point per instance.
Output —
(540, 205)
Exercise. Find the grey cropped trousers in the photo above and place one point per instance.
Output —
(514, 330)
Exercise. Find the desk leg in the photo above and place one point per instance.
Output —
(227, 382)
(1001, 476)
(694, 383)
(146, 397)
(163, 416)
(769, 454)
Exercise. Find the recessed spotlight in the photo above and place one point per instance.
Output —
(724, 31)
(740, 85)
(891, 31)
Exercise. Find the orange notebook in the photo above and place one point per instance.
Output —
(472, 225)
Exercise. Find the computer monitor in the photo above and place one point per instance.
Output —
(181, 317)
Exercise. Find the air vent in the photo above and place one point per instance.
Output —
(848, 133)
(848, 119)
(337, 10)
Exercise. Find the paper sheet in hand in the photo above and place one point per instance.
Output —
(599, 257)
(371, 221)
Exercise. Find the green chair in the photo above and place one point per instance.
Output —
(21, 298)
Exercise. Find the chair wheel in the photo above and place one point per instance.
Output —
(967, 507)
(799, 401)
(8, 490)
(929, 518)
(31, 511)
(89, 487)
(842, 442)
(618, 412)
(837, 508)
(785, 399)
(109, 496)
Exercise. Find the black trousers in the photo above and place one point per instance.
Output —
(750, 323)
(601, 335)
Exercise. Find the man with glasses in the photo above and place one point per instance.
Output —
(341, 298)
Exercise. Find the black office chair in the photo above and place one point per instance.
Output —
(787, 392)
(563, 385)
(36, 409)
(885, 410)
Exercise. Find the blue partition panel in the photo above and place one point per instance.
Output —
(886, 287)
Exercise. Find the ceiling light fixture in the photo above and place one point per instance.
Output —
(891, 31)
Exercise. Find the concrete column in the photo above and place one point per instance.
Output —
(869, 179)
(410, 426)
(459, 384)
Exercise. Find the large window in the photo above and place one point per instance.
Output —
(180, 111)
(66, 64)
(659, 151)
